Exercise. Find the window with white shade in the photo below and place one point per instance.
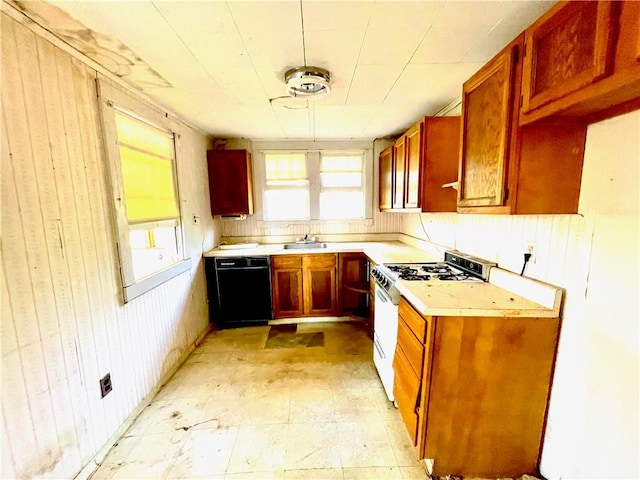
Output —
(341, 186)
(314, 185)
(286, 192)
(142, 153)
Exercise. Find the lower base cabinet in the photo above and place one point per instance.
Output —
(304, 285)
(480, 402)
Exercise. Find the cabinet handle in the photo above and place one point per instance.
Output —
(416, 410)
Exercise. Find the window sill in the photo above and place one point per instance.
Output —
(146, 284)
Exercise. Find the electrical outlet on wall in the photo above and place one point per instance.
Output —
(105, 385)
(530, 246)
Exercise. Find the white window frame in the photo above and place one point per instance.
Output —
(313, 151)
(110, 99)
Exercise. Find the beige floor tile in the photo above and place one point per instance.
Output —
(152, 456)
(204, 453)
(414, 473)
(312, 445)
(351, 404)
(261, 475)
(365, 444)
(311, 405)
(372, 473)
(259, 448)
(255, 413)
(406, 454)
(168, 415)
(267, 405)
(314, 474)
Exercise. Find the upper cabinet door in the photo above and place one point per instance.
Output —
(487, 102)
(566, 50)
(230, 182)
(386, 178)
(413, 147)
(399, 159)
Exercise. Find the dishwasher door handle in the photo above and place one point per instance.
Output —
(376, 344)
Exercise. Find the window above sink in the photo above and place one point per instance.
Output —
(304, 183)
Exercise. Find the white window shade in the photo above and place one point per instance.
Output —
(342, 187)
(314, 184)
(147, 157)
(286, 193)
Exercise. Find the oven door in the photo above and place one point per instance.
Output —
(385, 337)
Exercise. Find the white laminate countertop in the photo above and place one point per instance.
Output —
(505, 295)
(378, 252)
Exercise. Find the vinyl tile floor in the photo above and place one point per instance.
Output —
(238, 410)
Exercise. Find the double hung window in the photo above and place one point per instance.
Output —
(314, 185)
(141, 150)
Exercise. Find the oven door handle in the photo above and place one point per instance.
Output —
(378, 347)
(382, 295)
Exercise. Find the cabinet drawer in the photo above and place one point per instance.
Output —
(413, 319)
(406, 389)
(411, 347)
(320, 261)
(286, 261)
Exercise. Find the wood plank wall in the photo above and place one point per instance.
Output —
(63, 322)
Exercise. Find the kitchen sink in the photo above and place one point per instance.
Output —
(304, 245)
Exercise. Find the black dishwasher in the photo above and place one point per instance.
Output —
(239, 290)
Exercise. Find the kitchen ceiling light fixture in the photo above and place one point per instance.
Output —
(308, 82)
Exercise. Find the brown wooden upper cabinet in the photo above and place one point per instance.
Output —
(506, 168)
(399, 164)
(412, 161)
(582, 58)
(414, 168)
(440, 163)
(386, 178)
(487, 111)
(230, 182)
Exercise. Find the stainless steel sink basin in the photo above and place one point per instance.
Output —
(305, 245)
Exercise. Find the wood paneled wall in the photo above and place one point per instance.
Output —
(63, 322)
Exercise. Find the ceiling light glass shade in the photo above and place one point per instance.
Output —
(308, 82)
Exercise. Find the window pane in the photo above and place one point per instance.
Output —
(148, 186)
(341, 163)
(341, 179)
(286, 204)
(341, 205)
(153, 249)
(289, 166)
(138, 134)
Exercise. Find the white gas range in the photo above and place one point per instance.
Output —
(456, 267)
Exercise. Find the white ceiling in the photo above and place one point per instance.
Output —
(218, 63)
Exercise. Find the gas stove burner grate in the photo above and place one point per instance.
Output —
(403, 270)
(455, 277)
(414, 278)
(438, 268)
